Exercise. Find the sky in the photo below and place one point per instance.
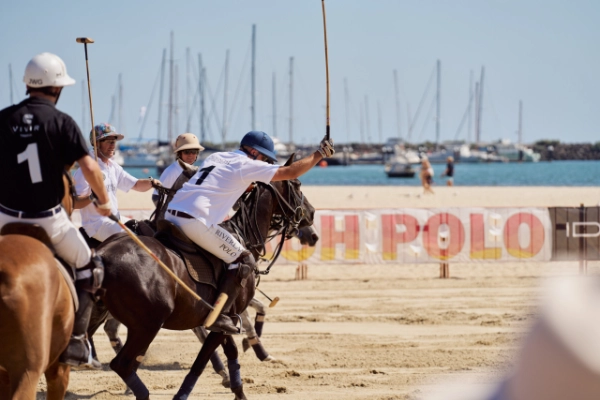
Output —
(541, 52)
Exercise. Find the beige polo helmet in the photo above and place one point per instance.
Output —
(187, 141)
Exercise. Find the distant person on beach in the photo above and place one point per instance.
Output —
(449, 172)
(95, 225)
(426, 175)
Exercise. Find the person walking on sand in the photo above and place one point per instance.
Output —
(426, 175)
(449, 172)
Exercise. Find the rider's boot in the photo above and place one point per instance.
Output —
(89, 279)
(232, 282)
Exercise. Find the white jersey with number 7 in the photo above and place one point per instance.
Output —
(223, 178)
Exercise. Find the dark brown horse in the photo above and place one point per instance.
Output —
(145, 298)
(36, 316)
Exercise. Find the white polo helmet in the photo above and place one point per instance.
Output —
(47, 69)
(187, 141)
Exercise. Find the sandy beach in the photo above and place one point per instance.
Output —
(368, 331)
(361, 197)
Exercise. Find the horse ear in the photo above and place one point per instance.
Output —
(290, 160)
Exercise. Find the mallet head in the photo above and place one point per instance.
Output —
(274, 302)
(84, 40)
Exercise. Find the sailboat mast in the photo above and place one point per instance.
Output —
(253, 77)
(160, 95)
(171, 87)
(175, 100)
(479, 114)
(188, 85)
(120, 125)
(470, 106)
(347, 104)
(291, 101)
(274, 108)
(520, 122)
(83, 106)
(224, 134)
(438, 104)
(380, 128)
(201, 92)
(10, 83)
(408, 136)
(367, 121)
(398, 125)
(362, 124)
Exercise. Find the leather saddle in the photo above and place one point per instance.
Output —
(202, 266)
(37, 232)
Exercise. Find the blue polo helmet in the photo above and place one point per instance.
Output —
(261, 142)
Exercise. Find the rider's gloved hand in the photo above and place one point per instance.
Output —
(326, 148)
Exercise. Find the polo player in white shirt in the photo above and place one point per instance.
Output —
(205, 200)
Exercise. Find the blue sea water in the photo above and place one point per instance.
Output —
(556, 173)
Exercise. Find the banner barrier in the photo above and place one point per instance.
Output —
(410, 235)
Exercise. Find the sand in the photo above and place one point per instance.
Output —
(368, 332)
(361, 197)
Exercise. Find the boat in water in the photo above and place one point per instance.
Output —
(399, 170)
(400, 164)
(515, 152)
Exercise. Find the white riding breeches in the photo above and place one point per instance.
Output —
(66, 239)
(214, 239)
(107, 229)
(258, 306)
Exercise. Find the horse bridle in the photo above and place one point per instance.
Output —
(292, 213)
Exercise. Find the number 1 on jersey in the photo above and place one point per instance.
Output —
(33, 161)
(205, 172)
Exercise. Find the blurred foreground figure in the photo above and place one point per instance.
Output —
(560, 356)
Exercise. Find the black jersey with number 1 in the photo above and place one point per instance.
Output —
(37, 141)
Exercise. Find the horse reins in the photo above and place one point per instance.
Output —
(291, 217)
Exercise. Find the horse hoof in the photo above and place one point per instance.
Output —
(269, 358)
(128, 392)
(225, 382)
(239, 393)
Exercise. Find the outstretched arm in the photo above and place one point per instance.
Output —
(302, 166)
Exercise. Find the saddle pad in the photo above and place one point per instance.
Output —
(203, 268)
(69, 280)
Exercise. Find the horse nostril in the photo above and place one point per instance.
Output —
(315, 237)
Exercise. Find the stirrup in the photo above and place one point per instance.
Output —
(241, 330)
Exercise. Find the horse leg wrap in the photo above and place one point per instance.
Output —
(258, 348)
(186, 387)
(136, 385)
(258, 323)
(235, 376)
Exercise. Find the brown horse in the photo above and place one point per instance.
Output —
(36, 316)
(145, 298)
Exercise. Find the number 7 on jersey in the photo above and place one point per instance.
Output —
(205, 172)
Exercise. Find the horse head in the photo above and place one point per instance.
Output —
(294, 202)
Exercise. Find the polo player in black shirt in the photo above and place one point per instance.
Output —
(37, 143)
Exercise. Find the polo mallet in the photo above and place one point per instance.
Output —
(216, 309)
(273, 301)
(85, 42)
(327, 128)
